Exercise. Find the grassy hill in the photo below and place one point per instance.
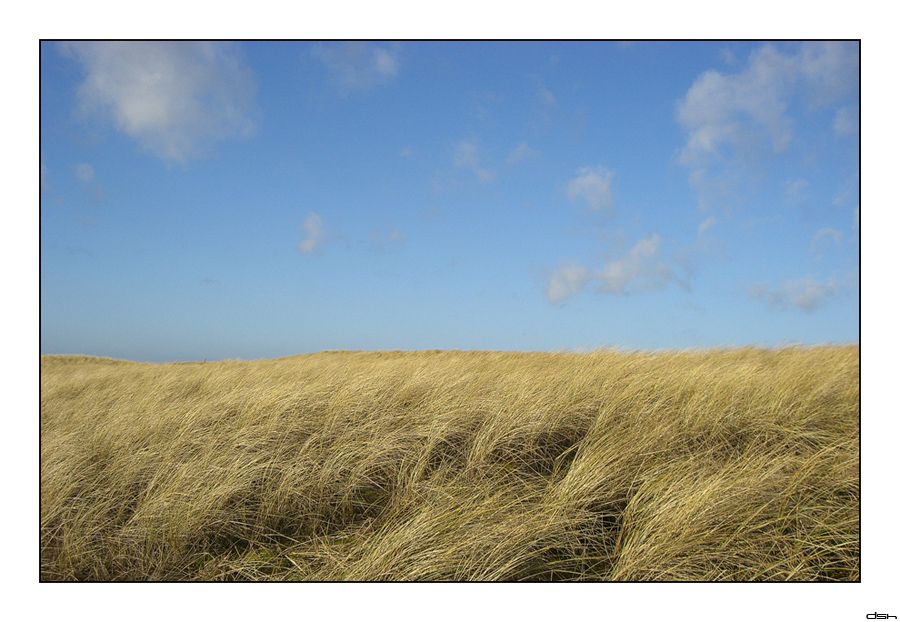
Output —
(735, 464)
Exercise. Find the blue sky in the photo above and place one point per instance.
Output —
(262, 199)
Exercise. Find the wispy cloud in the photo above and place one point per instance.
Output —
(825, 237)
(485, 105)
(642, 268)
(706, 224)
(593, 185)
(731, 120)
(727, 56)
(566, 281)
(84, 172)
(314, 233)
(726, 113)
(828, 70)
(547, 99)
(806, 294)
(468, 156)
(177, 99)
(383, 241)
(846, 193)
(794, 191)
(358, 65)
(846, 121)
(521, 153)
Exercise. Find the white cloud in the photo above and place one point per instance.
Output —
(468, 156)
(807, 294)
(84, 172)
(566, 281)
(721, 110)
(641, 268)
(732, 120)
(593, 185)
(312, 225)
(177, 99)
(359, 65)
(521, 153)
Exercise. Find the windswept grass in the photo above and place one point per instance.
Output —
(445, 465)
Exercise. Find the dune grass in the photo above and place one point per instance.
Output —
(731, 464)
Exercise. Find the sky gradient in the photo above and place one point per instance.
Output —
(262, 199)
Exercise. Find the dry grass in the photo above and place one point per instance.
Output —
(445, 465)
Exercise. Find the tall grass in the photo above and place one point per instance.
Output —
(735, 464)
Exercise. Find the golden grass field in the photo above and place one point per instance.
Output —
(727, 464)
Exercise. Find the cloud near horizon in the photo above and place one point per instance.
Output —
(641, 268)
(175, 98)
(566, 281)
(807, 294)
